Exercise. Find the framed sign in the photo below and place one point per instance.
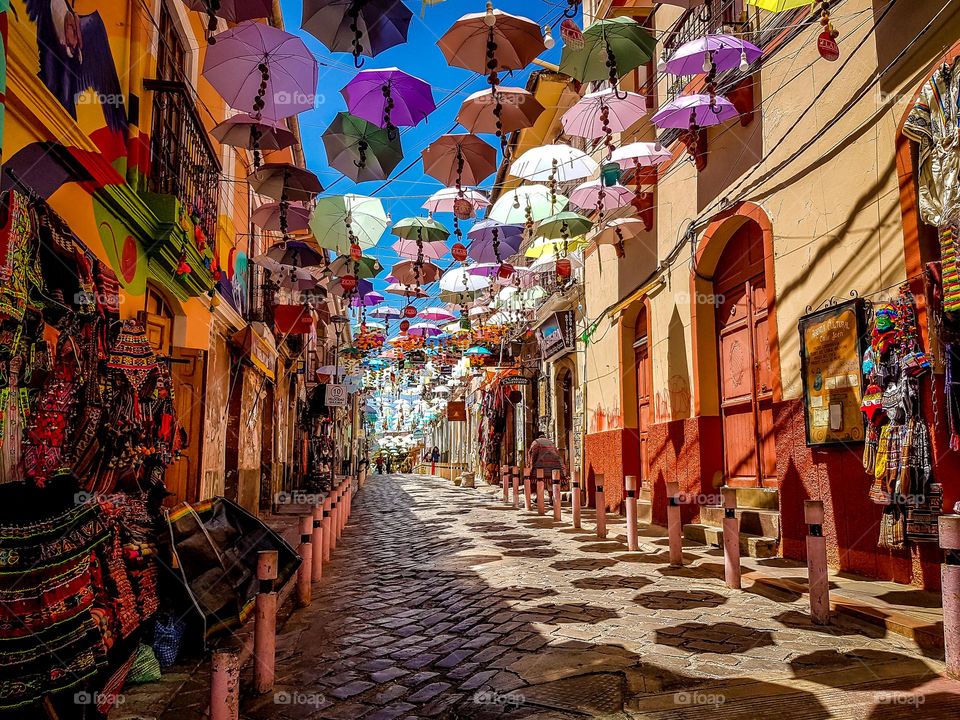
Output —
(336, 395)
(457, 411)
(557, 335)
(832, 342)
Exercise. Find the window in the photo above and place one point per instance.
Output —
(171, 52)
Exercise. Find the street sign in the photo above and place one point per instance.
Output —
(336, 395)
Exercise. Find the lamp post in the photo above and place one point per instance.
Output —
(339, 322)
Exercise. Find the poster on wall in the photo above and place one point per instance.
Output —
(457, 411)
(832, 342)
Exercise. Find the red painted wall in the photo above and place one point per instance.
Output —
(613, 454)
(688, 451)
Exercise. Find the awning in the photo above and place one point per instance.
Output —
(258, 346)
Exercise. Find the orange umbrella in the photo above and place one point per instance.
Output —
(518, 109)
(442, 159)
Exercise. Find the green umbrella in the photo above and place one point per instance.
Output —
(420, 228)
(340, 221)
(621, 39)
(361, 150)
(365, 267)
(564, 225)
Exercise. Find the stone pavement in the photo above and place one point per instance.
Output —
(443, 602)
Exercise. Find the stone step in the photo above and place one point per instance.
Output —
(755, 546)
(758, 498)
(644, 512)
(753, 522)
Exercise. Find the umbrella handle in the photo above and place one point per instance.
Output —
(572, 8)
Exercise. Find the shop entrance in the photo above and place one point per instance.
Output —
(746, 388)
(641, 360)
(565, 407)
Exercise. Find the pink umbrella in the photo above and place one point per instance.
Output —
(404, 291)
(444, 200)
(594, 195)
(599, 114)
(410, 249)
(261, 69)
(643, 154)
(268, 216)
(436, 314)
(689, 111)
(717, 52)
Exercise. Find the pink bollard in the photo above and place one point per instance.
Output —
(224, 685)
(505, 481)
(630, 485)
(557, 510)
(541, 489)
(674, 524)
(818, 580)
(265, 623)
(316, 541)
(575, 485)
(341, 509)
(526, 489)
(334, 519)
(515, 474)
(950, 578)
(601, 507)
(305, 571)
(731, 539)
(325, 527)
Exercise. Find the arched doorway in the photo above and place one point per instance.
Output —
(644, 379)
(741, 299)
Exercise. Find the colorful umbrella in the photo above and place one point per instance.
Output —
(405, 291)
(436, 314)
(564, 225)
(233, 11)
(415, 273)
(424, 329)
(370, 299)
(526, 204)
(340, 221)
(285, 182)
(361, 150)
(359, 27)
(459, 280)
(296, 253)
(494, 269)
(596, 196)
(692, 111)
(492, 241)
(617, 232)
(554, 163)
(547, 262)
(267, 217)
(246, 131)
(446, 200)
(544, 247)
(611, 48)
(458, 159)
(518, 109)
(643, 154)
(412, 249)
(362, 288)
(389, 98)
(713, 52)
(366, 267)
(780, 5)
(259, 68)
(476, 350)
(420, 229)
(600, 114)
(386, 313)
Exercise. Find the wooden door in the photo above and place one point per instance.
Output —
(188, 371)
(744, 362)
(641, 357)
(157, 318)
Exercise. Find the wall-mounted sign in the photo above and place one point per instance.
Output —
(516, 381)
(832, 342)
(336, 395)
(457, 411)
(257, 343)
(557, 335)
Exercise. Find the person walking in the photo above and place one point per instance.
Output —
(434, 459)
(544, 455)
(379, 462)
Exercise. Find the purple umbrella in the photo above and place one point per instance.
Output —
(368, 300)
(723, 52)
(360, 27)
(689, 111)
(262, 69)
(255, 134)
(363, 288)
(596, 196)
(388, 98)
(412, 249)
(493, 241)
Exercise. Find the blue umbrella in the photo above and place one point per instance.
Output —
(477, 350)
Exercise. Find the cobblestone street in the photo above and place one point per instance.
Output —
(444, 602)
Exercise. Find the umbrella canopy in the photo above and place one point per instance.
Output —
(340, 221)
(519, 109)
(437, 314)
(544, 247)
(424, 329)
(296, 253)
(601, 113)
(233, 11)
(443, 200)
(370, 299)
(411, 272)
(695, 110)
(513, 205)
(365, 267)
(493, 269)
(617, 232)
(246, 131)
(283, 181)
(386, 312)
(267, 217)
(420, 229)
(288, 275)
(361, 150)
(643, 154)
(623, 38)
(405, 291)
(412, 249)
(492, 242)
(594, 195)
(564, 225)
(262, 69)
(363, 287)
(459, 158)
(389, 97)
(723, 52)
(548, 263)
(560, 163)
(359, 28)
(778, 5)
(460, 280)
(517, 39)
(476, 350)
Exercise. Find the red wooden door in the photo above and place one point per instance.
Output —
(641, 356)
(744, 358)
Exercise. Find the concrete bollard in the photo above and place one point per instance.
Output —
(674, 524)
(818, 580)
(731, 539)
(515, 473)
(505, 481)
(541, 489)
(334, 518)
(630, 485)
(557, 510)
(316, 540)
(950, 577)
(265, 623)
(341, 508)
(325, 527)
(601, 507)
(305, 571)
(224, 685)
(526, 489)
(575, 485)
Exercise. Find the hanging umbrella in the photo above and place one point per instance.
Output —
(642, 154)
(545, 246)
(564, 225)
(359, 27)
(436, 314)
(459, 280)
(389, 98)
(594, 195)
(494, 269)
(386, 312)
(262, 69)
(411, 272)
(444, 200)
(458, 297)
(527, 202)
(689, 111)
(233, 11)
(366, 267)
(420, 229)
(492, 241)
(478, 310)
(547, 263)
(600, 114)
(246, 131)
(617, 232)
(780, 5)
(287, 275)
(554, 163)
(411, 249)
(296, 253)
(518, 109)
(476, 350)
(424, 329)
(341, 221)
(362, 288)
(407, 292)
(369, 300)
(611, 48)
(285, 182)
(717, 52)
(361, 150)
(267, 217)
(458, 159)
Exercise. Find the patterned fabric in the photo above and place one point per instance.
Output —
(132, 354)
(949, 237)
(19, 270)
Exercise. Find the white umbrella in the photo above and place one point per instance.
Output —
(561, 162)
(548, 263)
(461, 280)
(641, 153)
(511, 208)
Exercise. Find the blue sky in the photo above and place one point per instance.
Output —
(421, 57)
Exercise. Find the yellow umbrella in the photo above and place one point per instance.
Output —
(780, 5)
(542, 246)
